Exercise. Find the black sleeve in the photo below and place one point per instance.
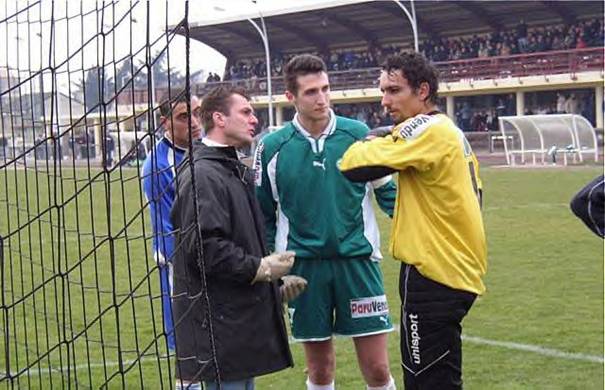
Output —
(365, 174)
(589, 205)
(223, 257)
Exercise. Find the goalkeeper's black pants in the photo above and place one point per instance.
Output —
(431, 316)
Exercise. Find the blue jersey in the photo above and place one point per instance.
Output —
(159, 171)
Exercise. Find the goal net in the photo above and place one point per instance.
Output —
(81, 84)
(542, 138)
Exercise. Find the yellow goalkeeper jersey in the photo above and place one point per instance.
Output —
(437, 225)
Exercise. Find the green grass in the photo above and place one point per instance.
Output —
(545, 286)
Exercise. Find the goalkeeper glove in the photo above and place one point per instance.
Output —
(379, 132)
(274, 266)
(293, 286)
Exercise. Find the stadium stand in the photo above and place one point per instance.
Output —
(510, 54)
(579, 35)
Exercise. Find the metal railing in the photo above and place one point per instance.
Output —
(520, 65)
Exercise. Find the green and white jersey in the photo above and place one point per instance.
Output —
(308, 205)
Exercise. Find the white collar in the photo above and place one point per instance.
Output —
(213, 144)
(327, 131)
(173, 145)
(208, 142)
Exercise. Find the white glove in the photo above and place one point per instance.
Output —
(293, 286)
(274, 266)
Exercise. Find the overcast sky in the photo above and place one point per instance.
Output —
(27, 33)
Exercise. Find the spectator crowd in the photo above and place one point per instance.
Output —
(519, 40)
(372, 114)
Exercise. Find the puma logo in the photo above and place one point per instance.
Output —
(321, 164)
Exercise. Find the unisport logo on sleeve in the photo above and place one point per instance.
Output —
(414, 127)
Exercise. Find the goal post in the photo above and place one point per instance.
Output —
(537, 137)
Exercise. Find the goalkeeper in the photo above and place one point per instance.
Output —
(437, 230)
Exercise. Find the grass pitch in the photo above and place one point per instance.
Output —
(80, 292)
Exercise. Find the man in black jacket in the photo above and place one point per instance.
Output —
(227, 307)
(589, 205)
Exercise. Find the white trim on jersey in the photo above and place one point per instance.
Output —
(170, 158)
(170, 278)
(271, 173)
(283, 223)
(159, 257)
(381, 331)
(370, 227)
(282, 230)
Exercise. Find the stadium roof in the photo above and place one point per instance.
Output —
(346, 24)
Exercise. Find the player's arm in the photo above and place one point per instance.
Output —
(154, 185)
(476, 179)
(264, 194)
(385, 191)
(589, 205)
(370, 160)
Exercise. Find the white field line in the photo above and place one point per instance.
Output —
(532, 206)
(80, 367)
(530, 348)
(468, 339)
(522, 347)
(535, 349)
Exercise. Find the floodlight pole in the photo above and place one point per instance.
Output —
(412, 18)
(265, 38)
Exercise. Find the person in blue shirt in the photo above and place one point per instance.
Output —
(159, 172)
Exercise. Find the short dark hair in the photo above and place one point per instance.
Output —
(302, 65)
(416, 69)
(218, 100)
(170, 100)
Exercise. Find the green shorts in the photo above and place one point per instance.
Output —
(344, 297)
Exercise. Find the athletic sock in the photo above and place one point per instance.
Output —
(389, 386)
(313, 386)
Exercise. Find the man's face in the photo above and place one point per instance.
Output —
(399, 98)
(177, 125)
(312, 100)
(239, 125)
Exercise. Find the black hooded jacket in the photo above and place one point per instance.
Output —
(247, 323)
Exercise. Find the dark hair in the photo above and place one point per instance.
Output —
(218, 100)
(416, 69)
(170, 100)
(301, 65)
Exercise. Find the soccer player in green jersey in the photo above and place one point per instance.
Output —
(312, 209)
